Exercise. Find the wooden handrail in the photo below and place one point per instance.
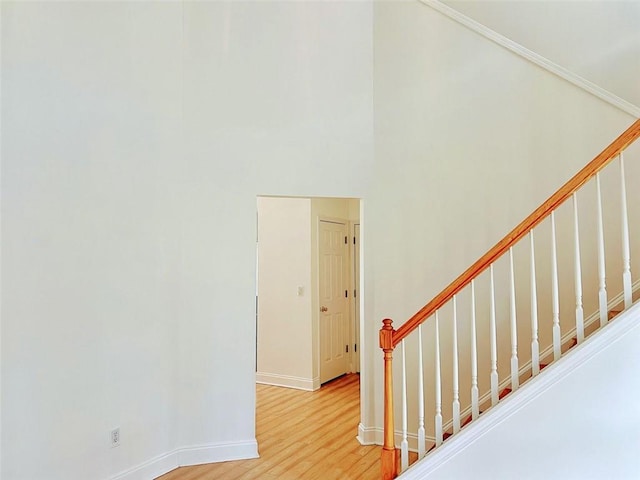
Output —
(544, 210)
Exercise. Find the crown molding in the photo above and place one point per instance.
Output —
(535, 58)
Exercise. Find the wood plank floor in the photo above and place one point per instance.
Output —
(301, 435)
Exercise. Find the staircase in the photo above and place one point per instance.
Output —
(462, 353)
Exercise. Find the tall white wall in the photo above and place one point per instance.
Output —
(91, 244)
(285, 337)
(136, 138)
(469, 139)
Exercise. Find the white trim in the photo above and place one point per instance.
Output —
(535, 58)
(375, 436)
(218, 452)
(300, 383)
(553, 374)
(366, 363)
(356, 360)
(151, 468)
(369, 435)
(195, 455)
(352, 299)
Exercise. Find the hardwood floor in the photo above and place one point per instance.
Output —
(301, 435)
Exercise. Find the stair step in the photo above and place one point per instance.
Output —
(569, 345)
(614, 313)
(468, 420)
(504, 393)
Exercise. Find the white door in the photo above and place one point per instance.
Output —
(334, 304)
(356, 301)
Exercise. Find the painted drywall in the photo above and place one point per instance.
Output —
(90, 239)
(583, 426)
(136, 138)
(469, 139)
(597, 40)
(284, 345)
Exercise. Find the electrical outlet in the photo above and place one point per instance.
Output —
(115, 437)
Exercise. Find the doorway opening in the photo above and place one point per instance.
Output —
(307, 293)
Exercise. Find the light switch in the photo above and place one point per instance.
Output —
(300, 291)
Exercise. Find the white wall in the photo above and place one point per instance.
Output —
(597, 40)
(285, 337)
(90, 246)
(585, 426)
(136, 138)
(469, 139)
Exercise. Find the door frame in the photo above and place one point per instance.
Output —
(356, 314)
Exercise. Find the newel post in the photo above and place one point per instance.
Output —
(389, 458)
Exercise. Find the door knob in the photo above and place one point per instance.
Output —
(324, 309)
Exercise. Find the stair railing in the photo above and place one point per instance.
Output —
(393, 460)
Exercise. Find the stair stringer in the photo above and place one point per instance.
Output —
(438, 464)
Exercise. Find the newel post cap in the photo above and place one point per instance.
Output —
(386, 335)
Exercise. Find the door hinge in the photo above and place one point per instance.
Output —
(346, 294)
(355, 347)
(354, 240)
(354, 293)
(345, 240)
(347, 348)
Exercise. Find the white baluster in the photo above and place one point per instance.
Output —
(438, 417)
(494, 344)
(421, 431)
(404, 445)
(535, 346)
(626, 257)
(554, 291)
(456, 390)
(475, 404)
(578, 273)
(515, 381)
(602, 289)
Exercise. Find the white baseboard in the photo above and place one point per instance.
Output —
(375, 436)
(369, 435)
(151, 468)
(187, 456)
(218, 452)
(299, 383)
